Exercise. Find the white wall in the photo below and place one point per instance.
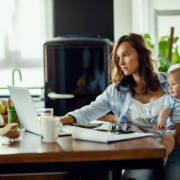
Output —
(138, 16)
(166, 22)
(122, 18)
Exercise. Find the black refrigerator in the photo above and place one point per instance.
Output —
(75, 65)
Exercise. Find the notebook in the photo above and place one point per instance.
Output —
(104, 137)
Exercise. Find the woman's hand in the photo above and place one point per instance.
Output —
(68, 119)
(109, 118)
(177, 134)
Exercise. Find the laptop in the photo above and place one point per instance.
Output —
(25, 108)
(27, 113)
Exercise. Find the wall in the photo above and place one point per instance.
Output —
(137, 16)
(84, 17)
(122, 18)
(115, 18)
(165, 22)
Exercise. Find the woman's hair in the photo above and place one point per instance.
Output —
(146, 66)
(173, 68)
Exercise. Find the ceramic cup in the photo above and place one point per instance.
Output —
(44, 113)
(51, 127)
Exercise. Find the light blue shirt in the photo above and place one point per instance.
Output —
(113, 100)
(174, 105)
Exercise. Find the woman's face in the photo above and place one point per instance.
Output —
(128, 58)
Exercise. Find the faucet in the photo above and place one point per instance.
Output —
(13, 75)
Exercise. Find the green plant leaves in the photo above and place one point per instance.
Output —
(176, 39)
(164, 47)
(147, 36)
(148, 40)
(163, 58)
(175, 56)
(164, 63)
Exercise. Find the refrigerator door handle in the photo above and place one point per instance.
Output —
(53, 96)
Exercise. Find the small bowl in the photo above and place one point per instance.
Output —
(13, 135)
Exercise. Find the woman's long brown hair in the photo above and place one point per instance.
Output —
(146, 66)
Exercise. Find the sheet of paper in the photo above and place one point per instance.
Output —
(97, 122)
(106, 126)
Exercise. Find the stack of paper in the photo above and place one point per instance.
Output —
(99, 136)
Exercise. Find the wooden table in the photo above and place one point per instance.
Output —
(31, 155)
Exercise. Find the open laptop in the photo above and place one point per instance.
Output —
(25, 108)
(27, 113)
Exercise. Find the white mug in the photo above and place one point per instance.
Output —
(51, 127)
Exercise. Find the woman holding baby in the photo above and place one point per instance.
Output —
(138, 94)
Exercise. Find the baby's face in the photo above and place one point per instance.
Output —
(173, 81)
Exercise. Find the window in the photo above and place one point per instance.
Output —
(25, 26)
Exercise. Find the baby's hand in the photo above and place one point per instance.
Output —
(159, 126)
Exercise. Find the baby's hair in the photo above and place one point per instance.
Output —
(174, 68)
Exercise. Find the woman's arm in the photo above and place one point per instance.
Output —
(163, 116)
(68, 119)
(102, 105)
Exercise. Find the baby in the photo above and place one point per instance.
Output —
(171, 107)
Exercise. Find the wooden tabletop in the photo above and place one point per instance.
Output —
(31, 150)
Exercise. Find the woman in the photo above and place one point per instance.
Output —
(135, 84)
